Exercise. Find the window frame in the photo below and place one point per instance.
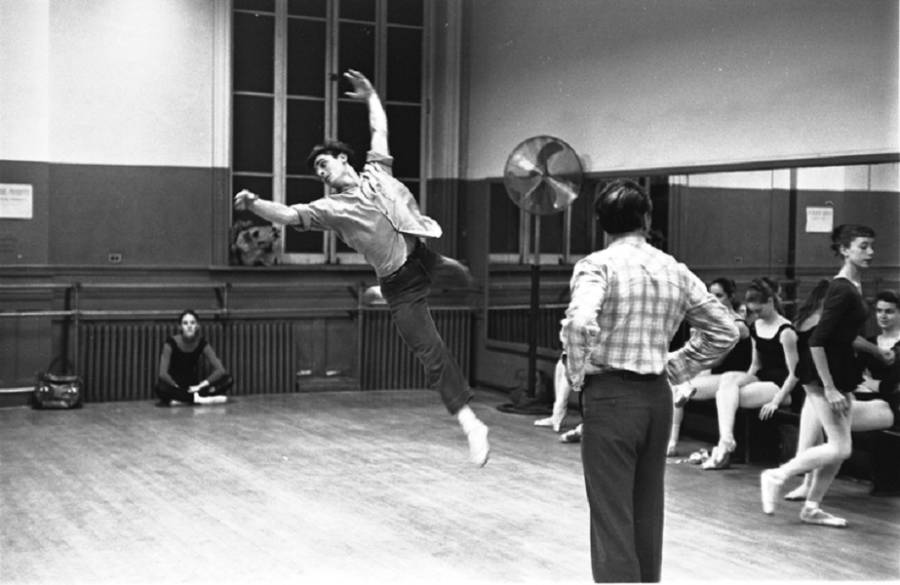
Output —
(331, 251)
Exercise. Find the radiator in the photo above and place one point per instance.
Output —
(386, 362)
(120, 360)
(511, 325)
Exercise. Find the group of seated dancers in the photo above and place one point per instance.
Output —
(761, 372)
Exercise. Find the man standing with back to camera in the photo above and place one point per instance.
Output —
(627, 301)
(376, 215)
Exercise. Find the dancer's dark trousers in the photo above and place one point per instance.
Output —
(406, 292)
(627, 419)
(166, 392)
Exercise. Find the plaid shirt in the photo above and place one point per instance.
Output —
(627, 301)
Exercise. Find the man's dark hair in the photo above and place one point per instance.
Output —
(888, 296)
(621, 205)
(332, 147)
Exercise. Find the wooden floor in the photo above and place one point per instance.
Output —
(370, 487)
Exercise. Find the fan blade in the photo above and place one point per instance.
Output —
(540, 200)
(548, 150)
(520, 165)
(566, 191)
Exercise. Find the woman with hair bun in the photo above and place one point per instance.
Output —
(768, 382)
(830, 379)
(179, 368)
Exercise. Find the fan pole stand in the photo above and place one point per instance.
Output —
(542, 176)
(534, 309)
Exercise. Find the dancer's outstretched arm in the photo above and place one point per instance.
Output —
(268, 210)
(378, 124)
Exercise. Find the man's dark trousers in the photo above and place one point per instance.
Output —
(627, 420)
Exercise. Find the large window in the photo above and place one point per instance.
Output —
(288, 95)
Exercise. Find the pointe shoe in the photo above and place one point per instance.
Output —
(672, 449)
(769, 488)
(720, 458)
(555, 421)
(214, 399)
(820, 517)
(572, 436)
(798, 494)
(479, 448)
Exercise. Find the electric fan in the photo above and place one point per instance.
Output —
(542, 176)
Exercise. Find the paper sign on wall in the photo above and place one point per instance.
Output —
(16, 201)
(819, 220)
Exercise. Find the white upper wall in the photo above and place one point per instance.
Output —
(636, 84)
(24, 81)
(109, 81)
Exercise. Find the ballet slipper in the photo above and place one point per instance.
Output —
(672, 449)
(573, 436)
(820, 517)
(720, 458)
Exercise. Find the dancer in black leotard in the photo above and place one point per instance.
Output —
(705, 386)
(829, 384)
(876, 402)
(768, 382)
(180, 368)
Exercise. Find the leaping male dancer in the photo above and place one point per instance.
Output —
(376, 215)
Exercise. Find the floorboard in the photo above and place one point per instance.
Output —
(370, 487)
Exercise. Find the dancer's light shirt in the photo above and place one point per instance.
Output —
(373, 217)
(627, 301)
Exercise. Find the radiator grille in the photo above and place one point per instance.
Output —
(511, 324)
(387, 363)
(120, 360)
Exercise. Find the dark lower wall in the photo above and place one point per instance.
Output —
(148, 215)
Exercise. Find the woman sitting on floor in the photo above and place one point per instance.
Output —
(768, 383)
(179, 368)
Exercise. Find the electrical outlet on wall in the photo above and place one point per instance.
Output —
(114, 257)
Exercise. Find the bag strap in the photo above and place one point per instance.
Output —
(63, 361)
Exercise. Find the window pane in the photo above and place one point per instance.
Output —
(306, 57)
(404, 123)
(404, 70)
(254, 52)
(305, 129)
(504, 228)
(405, 12)
(267, 5)
(303, 191)
(252, 134)
(356, 50)
(358, 9)
(353, 128)
(306, 8)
